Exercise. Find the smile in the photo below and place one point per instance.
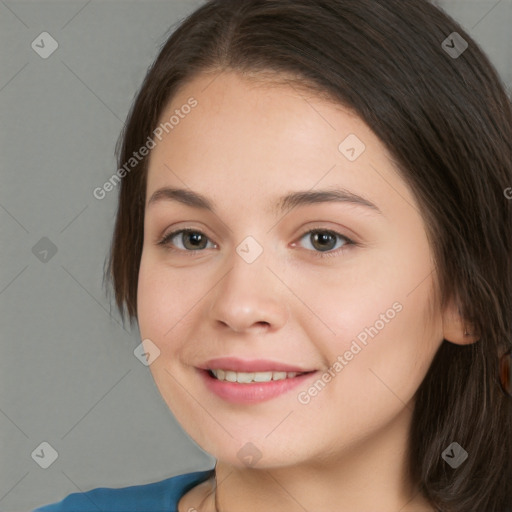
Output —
(248, 377)
(251, 387)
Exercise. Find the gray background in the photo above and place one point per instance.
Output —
(68, 372)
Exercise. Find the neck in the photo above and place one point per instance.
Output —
(371, 475)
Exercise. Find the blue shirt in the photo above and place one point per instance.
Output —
(160, 496)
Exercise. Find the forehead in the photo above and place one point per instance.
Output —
(259, 138)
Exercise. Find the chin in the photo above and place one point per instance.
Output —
(252, 451)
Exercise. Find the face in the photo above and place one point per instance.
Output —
(332, 292)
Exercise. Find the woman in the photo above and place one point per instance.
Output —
(314, 236)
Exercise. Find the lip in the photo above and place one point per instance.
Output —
(254, 392)
(253, 365)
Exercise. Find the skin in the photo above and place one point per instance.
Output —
(244, 145)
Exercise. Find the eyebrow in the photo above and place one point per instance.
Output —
(289, 201)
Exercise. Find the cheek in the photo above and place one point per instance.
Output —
(148, 299)
(170, 305)
(375, 310)
(370, 295)
(162, 306)
(160, 300)
(375, 363)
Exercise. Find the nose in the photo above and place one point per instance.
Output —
(249, 298)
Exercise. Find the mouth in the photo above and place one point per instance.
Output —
(250, 387)
(250, 377)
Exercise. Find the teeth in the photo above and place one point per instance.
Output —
(247, 377)
(230, 376)
(263, 377)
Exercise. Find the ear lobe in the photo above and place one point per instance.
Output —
(454, 329)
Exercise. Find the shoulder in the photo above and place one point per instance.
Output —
(154, 497)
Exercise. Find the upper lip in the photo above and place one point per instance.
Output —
(251, 365)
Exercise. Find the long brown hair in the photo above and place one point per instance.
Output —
(447, 122)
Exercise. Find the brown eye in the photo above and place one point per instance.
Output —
(325, 241)
(195, 239)
(190, 240)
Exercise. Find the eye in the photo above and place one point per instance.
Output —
(192, 240)
(324, 242)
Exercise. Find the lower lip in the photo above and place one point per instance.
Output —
(253, 392)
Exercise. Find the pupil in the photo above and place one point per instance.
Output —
(195, 239)
(323, 238)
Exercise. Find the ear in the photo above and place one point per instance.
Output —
(454, 328)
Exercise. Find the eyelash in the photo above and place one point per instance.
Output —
(320, 254)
